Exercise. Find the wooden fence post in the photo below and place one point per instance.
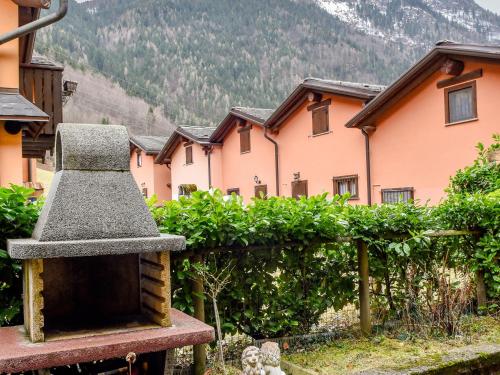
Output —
(480, 291)
(199, 351)
(364, 288)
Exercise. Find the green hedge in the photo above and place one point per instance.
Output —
(283, 290)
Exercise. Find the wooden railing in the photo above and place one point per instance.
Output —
(42, 85)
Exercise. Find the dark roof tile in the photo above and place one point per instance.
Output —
(14, 106)
(149, 144)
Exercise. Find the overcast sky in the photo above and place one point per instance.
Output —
(493, 5)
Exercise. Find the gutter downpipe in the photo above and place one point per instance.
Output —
(368, 167)
(209, 152)
(35, 25)
(276, 160)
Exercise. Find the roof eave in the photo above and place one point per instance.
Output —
(22, 118)
(223, 128)
(297, 96)
(390, 91)
(146, 150)
(248, 117)
(427, 62)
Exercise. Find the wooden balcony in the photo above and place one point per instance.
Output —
(41, 83)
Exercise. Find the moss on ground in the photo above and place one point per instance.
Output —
(397, 352)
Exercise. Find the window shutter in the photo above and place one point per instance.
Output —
(460, 103)
(233, 190)
(245, 140)
(189, 155)
(299, 188)
(261, 189)
(320, 120)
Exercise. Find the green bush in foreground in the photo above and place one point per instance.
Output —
(17, 219)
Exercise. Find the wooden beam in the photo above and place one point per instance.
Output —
(324, 103)
(33, 299)
(314, 97)
(452, 67)
(279, 246)
(478, 73)
(364, 288)
(199, 351)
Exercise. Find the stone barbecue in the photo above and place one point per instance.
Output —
(96, 263)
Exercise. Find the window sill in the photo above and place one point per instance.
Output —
(188, 164)
(461, 122)
(320, 134)
(244, 152)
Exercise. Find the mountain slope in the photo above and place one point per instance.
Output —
(405, 21)
(197, 58)
(99, 100)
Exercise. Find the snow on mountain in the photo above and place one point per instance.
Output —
(415, 22)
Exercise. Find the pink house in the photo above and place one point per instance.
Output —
(425, 125)
(152, 179)
(247, 153)
(317, 153)
(194, 160)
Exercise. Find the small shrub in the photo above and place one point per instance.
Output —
(17, 220)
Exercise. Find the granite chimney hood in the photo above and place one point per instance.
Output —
(94, 206)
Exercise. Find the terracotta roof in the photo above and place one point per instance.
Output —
(197, 134)
(256, 116)
(362, 91)
(15, 107)
(151, 145)
(419, 72)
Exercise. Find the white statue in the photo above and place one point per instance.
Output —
(251, 361)
(271, 358)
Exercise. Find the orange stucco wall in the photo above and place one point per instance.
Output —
(239, 169)
(9, 52)
(11, 158)
(154, 177)
(318, 159)
(412, 147)
(11, 162)
(195, 173)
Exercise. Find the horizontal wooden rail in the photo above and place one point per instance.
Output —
(340, 239)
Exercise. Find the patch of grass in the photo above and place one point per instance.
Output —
(398, 351)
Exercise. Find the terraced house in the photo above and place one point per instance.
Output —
(193, 159)
(152, 179)
(378, 144)
(248, 153)
(301, 148)
(425, 126)
(317, 154)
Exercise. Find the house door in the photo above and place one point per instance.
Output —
(261, 190)
(299, 188)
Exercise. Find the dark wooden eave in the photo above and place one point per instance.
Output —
(177, 137)
(319, 87)
(417, 74)
(234, 115)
